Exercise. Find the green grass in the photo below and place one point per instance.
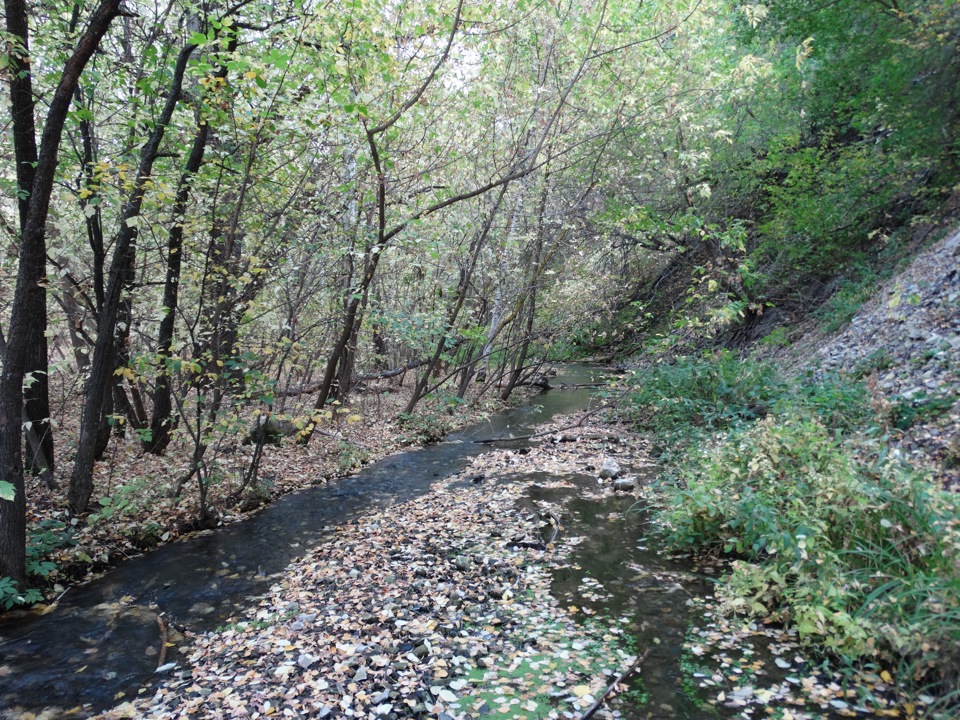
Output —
(858, 553)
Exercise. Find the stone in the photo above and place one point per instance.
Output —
(610, 469)
(625, 483)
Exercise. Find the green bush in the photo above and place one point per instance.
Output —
(720, 391)
(856, 552)
(710, 393)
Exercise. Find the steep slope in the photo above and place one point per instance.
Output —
(906, 343)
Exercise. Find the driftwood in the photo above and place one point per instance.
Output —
(620, 678)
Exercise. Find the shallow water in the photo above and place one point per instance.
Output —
(101, 643)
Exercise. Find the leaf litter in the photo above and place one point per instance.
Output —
(439, 607)
(442, 607)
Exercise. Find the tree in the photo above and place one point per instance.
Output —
(28, 314)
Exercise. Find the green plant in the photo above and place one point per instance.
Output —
(904, 413)
(44, 538)
(123, 500)
(350, 456)
(877, 361)
(855, 552)
(839, 310)
(10, 595)
(430, 425)
(779, 337)
(712, 392)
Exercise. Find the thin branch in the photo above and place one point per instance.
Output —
(413, 99)
(620, 678)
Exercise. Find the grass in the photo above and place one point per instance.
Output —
(858, 553)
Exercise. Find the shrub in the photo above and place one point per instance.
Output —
(711, 392)
(856, 552)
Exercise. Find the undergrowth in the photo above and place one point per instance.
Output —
(831, 536)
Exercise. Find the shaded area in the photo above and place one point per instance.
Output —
(95, 648)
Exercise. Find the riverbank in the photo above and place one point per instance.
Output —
(136, 509)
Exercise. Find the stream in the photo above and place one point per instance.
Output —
(98, 645)
(88, 653)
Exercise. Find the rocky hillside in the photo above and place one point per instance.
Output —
(906, 343)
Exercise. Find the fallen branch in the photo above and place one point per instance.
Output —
(623, 676)
(163, 641)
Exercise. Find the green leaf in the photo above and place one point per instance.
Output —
(7, 491)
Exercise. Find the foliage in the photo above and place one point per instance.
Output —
(922, 408)
(11, 596)
(350, 456)
(719, 390)
(846, 301)
(855, 551)
(122, 501)
(434, 420)
(44, 538)
(710, 393)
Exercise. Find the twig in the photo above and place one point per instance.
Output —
(163, 640)
(556, 527)
(623, 676)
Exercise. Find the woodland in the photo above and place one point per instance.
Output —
(225, 223)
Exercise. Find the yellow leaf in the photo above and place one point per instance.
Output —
(581, 690)
(886, 677)
(354, 419)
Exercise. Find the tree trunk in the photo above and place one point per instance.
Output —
(36, 392)
(466, 275)
(28, 311)
(101, 366)
(162, 421)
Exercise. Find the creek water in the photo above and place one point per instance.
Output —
(614, 573)
(95, 648)
(99, 644)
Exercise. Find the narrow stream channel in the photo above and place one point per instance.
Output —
(92, 650)
(98, 646)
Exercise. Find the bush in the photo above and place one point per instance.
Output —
(709, 393)
(720, 391)
(858, 555)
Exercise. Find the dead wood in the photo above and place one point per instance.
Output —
(623, 676)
